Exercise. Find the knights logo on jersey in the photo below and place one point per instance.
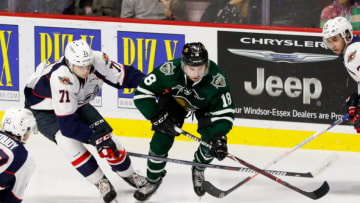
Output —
(186, 104)
(178, 90)
(105, 58)
(351, 56)
(218, 81)
(65, 81)
(168, 68)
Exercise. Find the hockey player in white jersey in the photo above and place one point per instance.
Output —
(16, 164)
(58, 94)
(338, 36)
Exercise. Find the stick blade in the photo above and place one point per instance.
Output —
(212, 190)
(216, 192)
(320, 192)
(325, 164)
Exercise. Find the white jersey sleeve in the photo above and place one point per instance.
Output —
(23, 177)
(352, 61)
(16, 164)
(110, 70)
(6, 158)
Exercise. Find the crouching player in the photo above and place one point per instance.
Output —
(338, 36)
(190, 84)
(59, 95)
(16, 164)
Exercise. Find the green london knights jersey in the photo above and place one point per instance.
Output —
(211, 92)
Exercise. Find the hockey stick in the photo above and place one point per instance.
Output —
(212, 190)
(230, 168)
(316, 194)
(216, 192)
(325, 164)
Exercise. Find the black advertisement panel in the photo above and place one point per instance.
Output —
(284, 77)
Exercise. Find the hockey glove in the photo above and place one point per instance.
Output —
(352, 107)
(163, 123)
(357, 124)
(105, 146)
(219, 146)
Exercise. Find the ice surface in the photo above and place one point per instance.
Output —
(55, 181)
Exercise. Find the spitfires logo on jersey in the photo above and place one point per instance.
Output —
(351, 56)
(218, 81)
(65, 81)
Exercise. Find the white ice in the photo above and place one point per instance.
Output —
(55, 181)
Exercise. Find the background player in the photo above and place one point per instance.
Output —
(338, 36)
(16, 164)
(59, 94)
(190, 84)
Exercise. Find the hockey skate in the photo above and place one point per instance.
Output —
(106, 189)
(136, 180)
(198, 179)
(148, 189)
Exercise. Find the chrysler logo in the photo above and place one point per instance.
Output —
(283, 57)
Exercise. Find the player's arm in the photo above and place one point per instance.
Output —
(23, 176)
(116, 74)
(221, 118)
(65, 103)
(150, 88)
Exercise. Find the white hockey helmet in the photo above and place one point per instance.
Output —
(18, 121)
(78, 53)
(335, 26)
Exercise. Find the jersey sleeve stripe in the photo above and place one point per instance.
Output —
(222, 118)
(224, 111)
(144, 96)
(145, 91)
(9, 172)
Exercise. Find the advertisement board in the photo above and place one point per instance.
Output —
(284, 83)
(284, 77)
(145, 51)
(9, 60)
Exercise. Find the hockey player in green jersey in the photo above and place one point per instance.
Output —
(190, 84)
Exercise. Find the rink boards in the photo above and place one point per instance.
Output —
(285, 85)
(334, 140)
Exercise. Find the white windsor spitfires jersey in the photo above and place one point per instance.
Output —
(63, 92)
(16, 167)
(55, 87)
(352, 61)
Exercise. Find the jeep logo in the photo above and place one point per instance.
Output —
(292, 86)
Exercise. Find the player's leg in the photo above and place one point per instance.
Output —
(86, 165)
(121, 165)
(202, 154)
(83, 162)
(46, 123)
(159, 146)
